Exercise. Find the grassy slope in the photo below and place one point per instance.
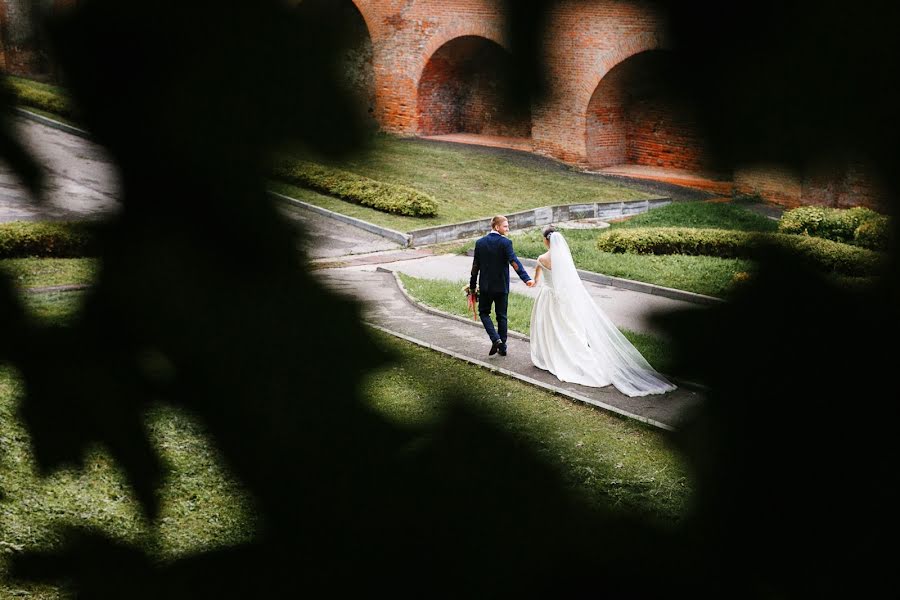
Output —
(468, 182)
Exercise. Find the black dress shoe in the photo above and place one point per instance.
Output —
(502, 349)
(494, 347)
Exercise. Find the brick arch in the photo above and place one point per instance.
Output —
(639, 115)
(364, 9)
(461, 91)
(357, 61)
(604, 63)
(487, 30)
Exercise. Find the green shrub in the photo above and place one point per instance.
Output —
(874, 234)
(837, 224)
(21, 239)
(386, 197)
(41, 96)
(827, 255)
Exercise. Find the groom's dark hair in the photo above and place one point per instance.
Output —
(548, 230)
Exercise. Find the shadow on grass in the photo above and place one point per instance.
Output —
(200, 273)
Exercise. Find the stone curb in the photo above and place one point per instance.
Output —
(534, 217)
(52, 123)
(424, 307)
(635, 286)
(57, 288)
(395, 236)
(550, 388)
(639, 286)
(521, 336)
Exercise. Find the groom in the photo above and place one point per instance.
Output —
(493, 257)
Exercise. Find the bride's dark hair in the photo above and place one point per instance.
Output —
(548, 230)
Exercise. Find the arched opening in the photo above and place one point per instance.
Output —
(356, 61)
(637, 117)
(462, 91)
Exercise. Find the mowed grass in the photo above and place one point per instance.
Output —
(449, 297)
(606, 460)
(43, 272)
(468, 182)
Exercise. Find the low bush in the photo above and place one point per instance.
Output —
(873, 234)
(41, 96)
(838, 224)
(22, 239)
(827, 255)
(386, 197)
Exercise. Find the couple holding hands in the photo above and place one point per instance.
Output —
(570, 336)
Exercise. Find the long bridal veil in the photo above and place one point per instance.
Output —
(627, 369)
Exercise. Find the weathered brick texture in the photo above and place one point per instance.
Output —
(459, 91)
(21, 51)
(838, 184)
(432, 67)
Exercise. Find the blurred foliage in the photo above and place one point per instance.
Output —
(214, 313)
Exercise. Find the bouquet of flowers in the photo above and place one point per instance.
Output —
(471, 297)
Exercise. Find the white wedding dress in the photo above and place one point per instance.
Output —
(573, 339)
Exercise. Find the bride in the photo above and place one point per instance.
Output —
(573, 339)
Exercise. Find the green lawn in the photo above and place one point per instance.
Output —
(41, 272)
(606, 460)
(702, 215)
(603, 458)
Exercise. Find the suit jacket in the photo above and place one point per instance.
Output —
(493, 257)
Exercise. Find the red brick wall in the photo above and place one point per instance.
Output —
(771, 182)
(607, 131)
(584, 41)
(634, 117)
(357, 61)
(662, 133)
(842, 184)
(839, 184)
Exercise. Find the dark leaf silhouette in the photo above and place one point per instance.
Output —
(203, 302)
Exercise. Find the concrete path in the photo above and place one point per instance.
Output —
(324, 238)
(82, 182)
(627, 309)
(388, 308)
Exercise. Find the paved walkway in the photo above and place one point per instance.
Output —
(388, 308)
(81, 180)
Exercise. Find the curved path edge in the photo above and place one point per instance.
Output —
(391, 310)
(511, 333)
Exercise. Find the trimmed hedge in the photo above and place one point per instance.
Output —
(386, 197)
(43, 97)
(22, 239)
(828, 255)
(839, 225)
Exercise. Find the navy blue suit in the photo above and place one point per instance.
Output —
(493, 257)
